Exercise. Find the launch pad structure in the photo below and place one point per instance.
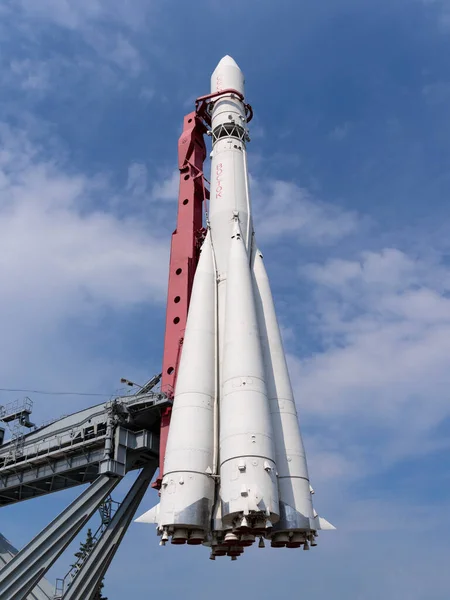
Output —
(101, 444)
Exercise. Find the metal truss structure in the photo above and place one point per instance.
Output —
(96, 446)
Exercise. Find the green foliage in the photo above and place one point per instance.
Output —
(86, 548)
(98, 594)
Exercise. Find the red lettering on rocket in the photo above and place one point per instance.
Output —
(219, 188)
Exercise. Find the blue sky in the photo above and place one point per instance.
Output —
(349, 161)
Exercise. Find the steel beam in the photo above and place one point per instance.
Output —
(28, 567)
(43, 591)
(93, 570)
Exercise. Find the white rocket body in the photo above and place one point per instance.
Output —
(235, 465)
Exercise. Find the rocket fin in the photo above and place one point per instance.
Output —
(324, 524)
(151, 516)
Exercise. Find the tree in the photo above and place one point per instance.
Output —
(98, 594)
(86, 548)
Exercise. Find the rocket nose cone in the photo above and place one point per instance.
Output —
(227, 61)
(227, 75)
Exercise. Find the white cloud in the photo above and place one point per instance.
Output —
(381, 373)
(108, 30)
(65, 13)
(147, 94)
(74, 14)
(284, 209)
(45, 234)
(390, 267)
(437, 93)
(443, 7)
(115, 48)
(137, 179)
(66, 265)
(31, 75)
(168, 188)
(340, 132)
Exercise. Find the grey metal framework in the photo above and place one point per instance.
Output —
(43, 591)
(96, 446)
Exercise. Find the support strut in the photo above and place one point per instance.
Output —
(28, 567)
(86, 583)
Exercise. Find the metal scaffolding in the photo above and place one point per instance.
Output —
(96, 446)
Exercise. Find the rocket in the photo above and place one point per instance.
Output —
(235, 468)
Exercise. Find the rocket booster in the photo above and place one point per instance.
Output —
(235, 466)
